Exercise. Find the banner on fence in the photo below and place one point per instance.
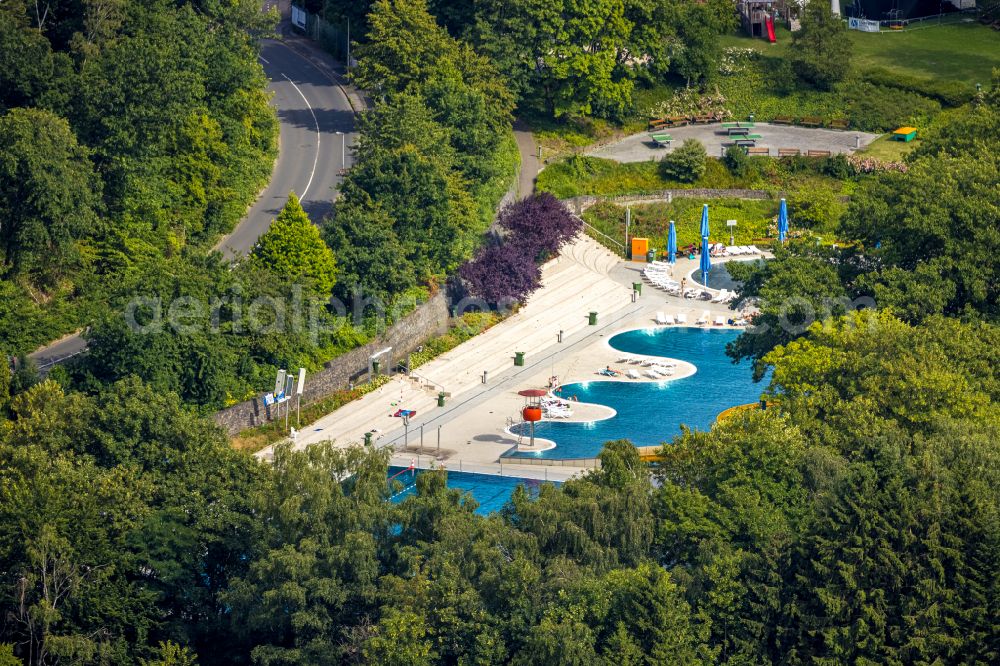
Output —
(298, 17)
(863, 25)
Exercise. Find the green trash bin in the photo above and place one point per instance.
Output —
(651, 255)
(368, 439)
(518, 358)
(375, 365)
(637, 287)
(441, 399)
(593, 319)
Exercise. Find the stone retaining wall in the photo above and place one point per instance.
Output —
(428, 320)
(582, 203)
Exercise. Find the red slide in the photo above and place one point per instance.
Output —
(769, 22)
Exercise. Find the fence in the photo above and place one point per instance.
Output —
(505, 468)
(333, 37)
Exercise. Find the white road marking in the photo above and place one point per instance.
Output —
(266, 61)
(312, 173)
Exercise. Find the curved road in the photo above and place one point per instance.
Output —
(312, 108)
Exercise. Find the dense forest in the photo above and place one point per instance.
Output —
(856, 520)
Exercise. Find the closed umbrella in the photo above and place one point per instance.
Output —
(672, 243)
(782, 221)
(706, 262)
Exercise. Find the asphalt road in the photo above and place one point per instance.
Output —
(311, 108)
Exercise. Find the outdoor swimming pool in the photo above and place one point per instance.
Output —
(650, 413)
(490, 492)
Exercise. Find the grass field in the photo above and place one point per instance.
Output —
(963, 51)
(884, 148)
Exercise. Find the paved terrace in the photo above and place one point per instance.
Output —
(639, 148)
(473, 424)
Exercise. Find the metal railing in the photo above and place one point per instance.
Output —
(620, 246)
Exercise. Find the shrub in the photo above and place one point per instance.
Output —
(814, 209)
(540, 223)
(949, 93)
(737, 161)
(876, 108)
(686, 164)
(821, 49)
(502, 272)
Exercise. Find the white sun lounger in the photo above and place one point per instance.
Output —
(754, 249)
(703, 319)
(720, 321)
(721, 297)
(633, 373)
(682, 318)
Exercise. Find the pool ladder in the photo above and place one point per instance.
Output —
(510, 424)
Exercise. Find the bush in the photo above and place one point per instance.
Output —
(815, 209)
(540, 223)
(822, 48)
(502, 273)
(686, 164)
(875, 108)
(737, 161)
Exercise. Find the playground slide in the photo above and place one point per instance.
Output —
(769, 22)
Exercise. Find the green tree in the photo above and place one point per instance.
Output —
(686, 163)
(47, 196)
(821, 49)
(292, 248)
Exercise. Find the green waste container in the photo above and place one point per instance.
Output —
(368, 439)
(518, 358)
(651, 255)
(593, 319)
(375, 365)
(637, 287)
(441, 399)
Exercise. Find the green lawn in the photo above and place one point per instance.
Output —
(884, 148)
(965, 52)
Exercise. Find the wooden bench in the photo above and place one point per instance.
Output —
(811, 121)
(657, 123)
(782, 120)
(789, 152)
(677, 121)
(818, 153)
(759, 150)
(702, 119)
(839, 123)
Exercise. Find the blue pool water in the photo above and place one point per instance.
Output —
(650, 413)
(490, 492)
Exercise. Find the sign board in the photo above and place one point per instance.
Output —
(289, 385)
(730, 223)
(864, 25)
(298, 17)
(279, 382)
(302, 381)
(268, 399)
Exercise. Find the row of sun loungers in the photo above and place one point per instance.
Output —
(705, 318)
(720, 250)
(554, 408)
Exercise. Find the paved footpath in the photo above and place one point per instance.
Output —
(639, 148)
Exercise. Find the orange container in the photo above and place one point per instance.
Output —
(532, 413)
(639, 248)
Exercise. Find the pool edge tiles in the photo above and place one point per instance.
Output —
(651, 413)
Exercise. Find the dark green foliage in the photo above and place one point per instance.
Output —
(821, 48)
(685, 163)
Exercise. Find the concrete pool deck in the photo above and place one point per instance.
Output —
(473, 424)
(639, 147)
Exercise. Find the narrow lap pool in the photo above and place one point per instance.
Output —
(650, 413)
(490, 492)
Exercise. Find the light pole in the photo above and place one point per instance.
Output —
(343, 151)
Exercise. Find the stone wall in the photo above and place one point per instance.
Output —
(428, 320)
(582, 203)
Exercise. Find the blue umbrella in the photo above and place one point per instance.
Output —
(782, 221)
(672, 243)
(706, 262)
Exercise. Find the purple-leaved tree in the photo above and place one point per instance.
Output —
(540, 223)
(502, 273)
